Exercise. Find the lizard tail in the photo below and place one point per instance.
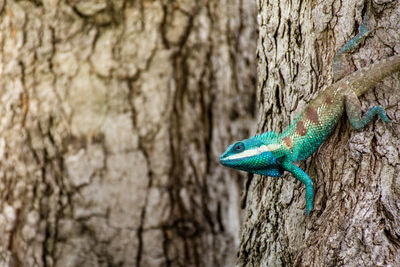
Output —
(366, 78)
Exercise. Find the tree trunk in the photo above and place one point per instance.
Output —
(113, 115)
(356, 216)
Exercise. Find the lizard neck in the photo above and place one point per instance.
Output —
(274, 142)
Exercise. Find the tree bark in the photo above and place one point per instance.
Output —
(356, 216)
(113, 115)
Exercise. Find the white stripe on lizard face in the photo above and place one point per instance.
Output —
(254, 151)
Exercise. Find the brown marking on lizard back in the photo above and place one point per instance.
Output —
(288, 142)
(301, 128)
(328, 99)
(312, 115)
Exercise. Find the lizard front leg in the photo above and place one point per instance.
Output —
(353, 110)
(303, 177)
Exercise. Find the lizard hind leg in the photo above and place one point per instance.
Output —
(341, 66)
(353, 110)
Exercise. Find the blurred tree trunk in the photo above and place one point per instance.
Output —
(356, 215)
(113, 115)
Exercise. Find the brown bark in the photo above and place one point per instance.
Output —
(356, 215)
(113, 115)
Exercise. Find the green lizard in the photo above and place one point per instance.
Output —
(271, 153)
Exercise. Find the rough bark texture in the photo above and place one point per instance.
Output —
(113, 114)
(356, 215)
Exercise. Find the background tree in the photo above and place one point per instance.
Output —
(355, 220)
(113, 115)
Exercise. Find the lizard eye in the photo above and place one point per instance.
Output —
(238, 147)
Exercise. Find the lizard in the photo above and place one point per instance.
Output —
(271, 153)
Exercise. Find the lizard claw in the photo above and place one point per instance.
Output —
(307, 212)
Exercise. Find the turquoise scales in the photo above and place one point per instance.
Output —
(271, 154)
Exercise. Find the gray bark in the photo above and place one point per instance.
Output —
(113, 115)
(356, 215)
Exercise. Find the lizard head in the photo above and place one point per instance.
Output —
(250, 155)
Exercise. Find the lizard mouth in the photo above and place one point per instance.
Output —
(230, 162)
